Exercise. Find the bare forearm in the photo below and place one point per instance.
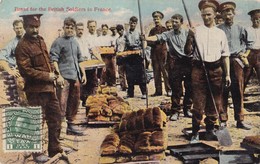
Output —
(226, 64)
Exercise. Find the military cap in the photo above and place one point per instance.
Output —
(32, 19)
(208, 3)
(253, 12)
(112, 28)
(157, 14)
(227, 5)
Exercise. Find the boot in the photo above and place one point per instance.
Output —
(194, 138)
(195, 132)
(187, 113)
(72, 129)
(40, 157)
(211, 136)
(174, 117)
(210, 133)
(242, 125)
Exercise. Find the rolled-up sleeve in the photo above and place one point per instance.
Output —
(55, 51)
(224, 46)
(162, 37)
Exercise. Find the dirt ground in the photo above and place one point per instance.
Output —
(86, 148)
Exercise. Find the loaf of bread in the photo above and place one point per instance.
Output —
(110, 144)
(106, 111)
(148, 118)
(127, 143)
(123, 123)
(255, 140)
(131, 122)
(140, 120)
(157, 138)
(143, 142)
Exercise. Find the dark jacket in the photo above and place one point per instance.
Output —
(34, 64)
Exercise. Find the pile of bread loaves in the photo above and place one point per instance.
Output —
(104, 107)
(139, 132)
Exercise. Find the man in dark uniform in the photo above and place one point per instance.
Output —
(158, 56)
(34, 65)
(135, 73)
(237, 42)
(213, 47)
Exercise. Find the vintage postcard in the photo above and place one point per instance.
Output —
(20, 125)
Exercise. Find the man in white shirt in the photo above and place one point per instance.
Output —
(213, 46)
(82, 41)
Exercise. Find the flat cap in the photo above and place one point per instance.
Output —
(158, 14)
(208, 3)
(227, 5)
(253, 12)
(112, 28)
(32, 19)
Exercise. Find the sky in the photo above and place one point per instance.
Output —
(111, 12)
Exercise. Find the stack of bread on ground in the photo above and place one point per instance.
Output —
(106, 105)
(140, 136)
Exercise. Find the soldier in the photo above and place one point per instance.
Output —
(35, 67)
(135, 72)
(254, 56)
(8, 61)
(237, 41)
(212, 45)
(158, 56)
(66, 56)
(179, 65)
(120, 47)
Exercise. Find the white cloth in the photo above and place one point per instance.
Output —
(83, 47)
(106, 40)
(212, 43)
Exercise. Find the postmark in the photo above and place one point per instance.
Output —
(22, 129)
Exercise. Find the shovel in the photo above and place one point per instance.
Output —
(222, 133)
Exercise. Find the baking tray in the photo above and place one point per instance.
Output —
(181, 150)
(250, 147)
(196, 158)
(236, 157)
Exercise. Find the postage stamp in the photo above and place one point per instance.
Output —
(22, 129)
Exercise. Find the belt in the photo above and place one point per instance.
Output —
(209, 65)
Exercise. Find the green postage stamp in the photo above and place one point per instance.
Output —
(22, 129)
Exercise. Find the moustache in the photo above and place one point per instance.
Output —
(35, 33)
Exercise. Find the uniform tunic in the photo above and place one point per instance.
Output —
(34, 65)
(237, 42)
(158, 56)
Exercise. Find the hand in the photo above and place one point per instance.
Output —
(142, 37)
(14, 72)
(60, 81)
(192, 32)
(228, 81)
(52, 76)
(84, 79)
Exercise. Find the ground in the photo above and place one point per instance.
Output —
(87, 147)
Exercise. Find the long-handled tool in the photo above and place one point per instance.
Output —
(222, 133)
(143, 43)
